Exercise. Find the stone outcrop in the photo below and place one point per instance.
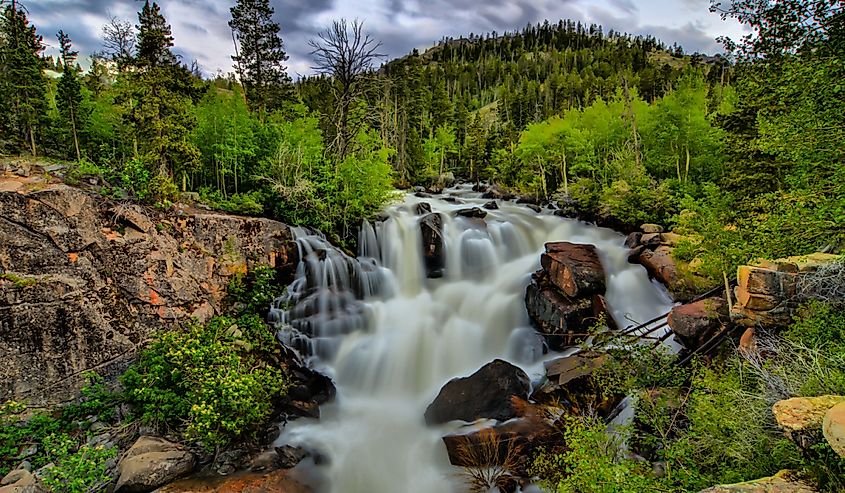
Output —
(696, 323)
(767, 291)
(150, 463)
(782, 482)
(809, 420)
(21, 481)
(652, 248)
(486, 393)
(566, 296)
(84, 281)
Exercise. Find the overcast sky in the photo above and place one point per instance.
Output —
(201, 32)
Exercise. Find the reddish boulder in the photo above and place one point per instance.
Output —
(660, 265)
(562, 320)
(575, 269)
(696, 323)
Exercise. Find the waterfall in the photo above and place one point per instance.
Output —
(390, 337)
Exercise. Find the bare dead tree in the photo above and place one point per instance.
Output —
(347, 55)
(118, 42)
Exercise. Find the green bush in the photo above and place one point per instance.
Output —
(249, 203)
(210, 382)
(257, 290)
(78, 469)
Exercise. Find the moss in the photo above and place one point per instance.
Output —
(19, 282)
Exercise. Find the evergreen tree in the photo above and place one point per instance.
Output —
(260, 55)
(69, 94)
(163, 93)
(23, 87)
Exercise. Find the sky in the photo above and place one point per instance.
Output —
(201, 31)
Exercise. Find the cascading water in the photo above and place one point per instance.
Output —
(390, 337)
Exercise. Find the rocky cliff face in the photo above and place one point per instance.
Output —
(84, 281)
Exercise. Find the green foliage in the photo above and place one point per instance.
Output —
(257, 291)
(211, 382)
(58, 436)
(19, 282)
(78, 468)
(592, 463)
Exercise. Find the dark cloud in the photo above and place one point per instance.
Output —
(201, 31)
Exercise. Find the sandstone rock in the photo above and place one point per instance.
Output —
(670, 239)
(106, 277)
(696, 323)
(782, 482)
(651, 228)
(474, 212)
(802, 413)
(279, 481)
(833, 428)
(431, 227)
(484, 394)
(21, 481)
(150, 463)
(575, 269)
(651, 240)
(748, 342)
(660, 265)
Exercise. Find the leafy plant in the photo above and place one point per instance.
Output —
(77, 469)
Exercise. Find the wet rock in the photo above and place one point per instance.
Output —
(561, 320)
(452, 200)
(494, 192)
(150, 463)
(505, 444)
(528, 200)
(696, 323)
(474, 212)
(289, 456)
(486, 393)
(492, 205)
(566, 213)
(651, 240)
(633, 240)
(534, 207)
(574, 268)
(660, 265)
(782, 482)
(431, 227)
(833, 428)
(423, 195)
(230, 461)
(423, 208)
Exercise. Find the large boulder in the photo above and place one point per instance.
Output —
(660, 265)
(487, 393)
(21, 481)
(574, 268)
(696, 323)
(278, 481)
(150, 463)
(563, 321)
(85, 282)
(431, 229)
(782, 482)
(833, 428)
(803, 419)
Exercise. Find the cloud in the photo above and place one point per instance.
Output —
(201, 31)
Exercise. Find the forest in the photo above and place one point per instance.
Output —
(741, 154)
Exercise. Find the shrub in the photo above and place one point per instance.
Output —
(210, 382)
(257, 291)
(78, 469)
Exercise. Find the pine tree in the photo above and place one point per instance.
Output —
(163, 93)
(260, 55)
(23, 86)
(69, 93)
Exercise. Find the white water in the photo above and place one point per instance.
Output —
(390, 354)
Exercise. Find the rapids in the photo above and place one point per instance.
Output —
(390, 337)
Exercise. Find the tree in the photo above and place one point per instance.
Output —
(118, 42)
(163, 93)
(23, 86)
(345, 53)
(260, 55)
(438, 147)
(69, 92)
